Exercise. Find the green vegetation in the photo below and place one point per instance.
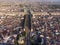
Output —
(54, 6)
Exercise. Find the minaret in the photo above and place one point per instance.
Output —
(27, 25)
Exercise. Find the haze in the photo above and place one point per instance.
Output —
(30, 0)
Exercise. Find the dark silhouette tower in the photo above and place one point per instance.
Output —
(27, 25)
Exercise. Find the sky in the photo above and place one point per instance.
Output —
(29, 0)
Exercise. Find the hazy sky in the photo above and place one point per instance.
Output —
(29, 0)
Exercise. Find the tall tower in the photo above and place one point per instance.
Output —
(27, 25)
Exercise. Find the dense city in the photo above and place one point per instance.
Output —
(29, 24)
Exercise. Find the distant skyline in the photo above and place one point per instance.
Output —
(30, 0)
